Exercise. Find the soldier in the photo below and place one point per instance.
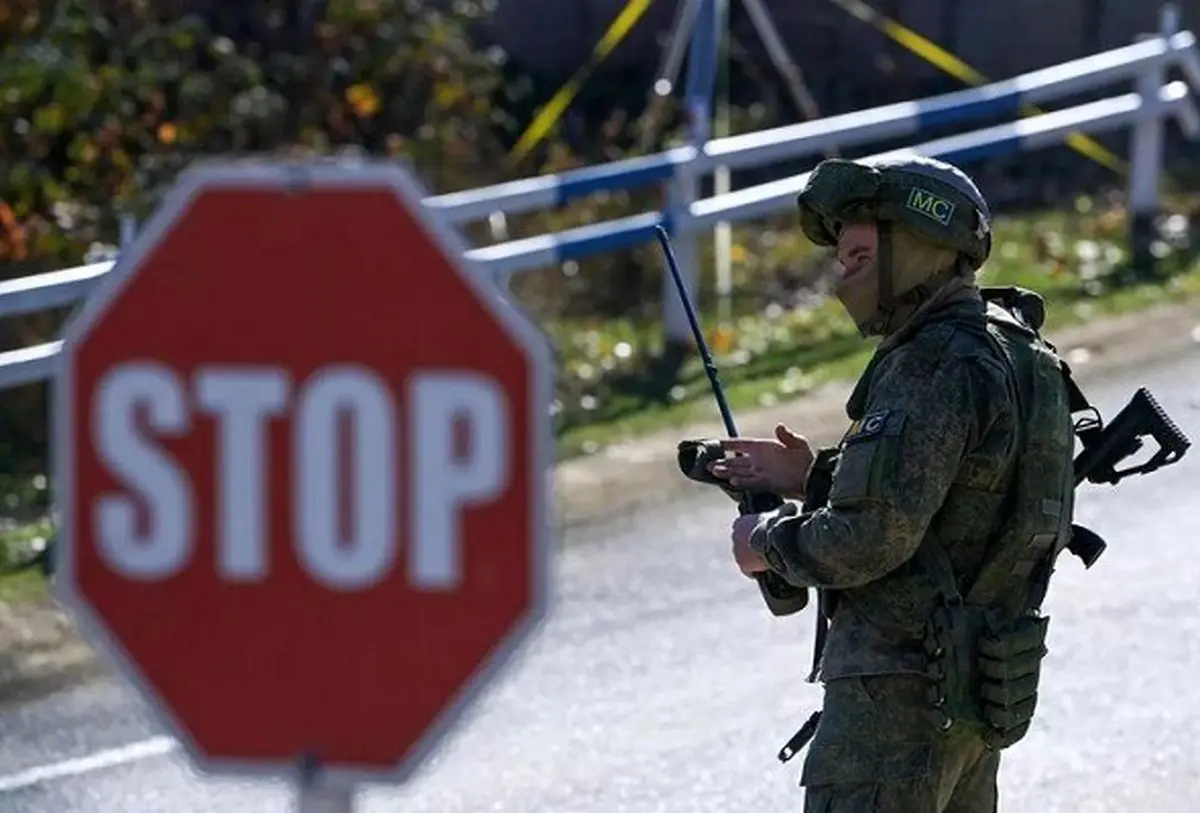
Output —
(950, 498)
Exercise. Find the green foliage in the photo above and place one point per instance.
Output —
(102, 102)
(108, 100)
(20, 542)
(786, 335)
(20, 545)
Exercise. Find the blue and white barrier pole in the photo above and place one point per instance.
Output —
(127, 226)
(684, 186)
(764, 147)
(770, 198)
(1032, 133)
(1146, 153)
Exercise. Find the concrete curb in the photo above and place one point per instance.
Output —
(633, 476)
(32, 678)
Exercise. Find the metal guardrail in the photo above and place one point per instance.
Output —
(814, 137)
(1147, 108)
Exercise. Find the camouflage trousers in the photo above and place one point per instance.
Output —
(878, 750)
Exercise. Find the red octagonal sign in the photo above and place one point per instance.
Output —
(302, 452)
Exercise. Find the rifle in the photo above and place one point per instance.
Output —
(1105, 446)
(694, 456)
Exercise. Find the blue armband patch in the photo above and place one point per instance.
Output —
(881, 422)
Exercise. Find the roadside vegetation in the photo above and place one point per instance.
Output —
(788, 335)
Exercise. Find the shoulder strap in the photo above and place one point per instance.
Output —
(1026, 311)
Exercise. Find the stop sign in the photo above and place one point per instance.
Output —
(302, 450)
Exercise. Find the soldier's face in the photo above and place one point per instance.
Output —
(857, 246)
(858, 289)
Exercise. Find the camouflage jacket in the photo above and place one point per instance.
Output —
(930, 452)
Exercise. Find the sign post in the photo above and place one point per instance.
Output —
(302, 449)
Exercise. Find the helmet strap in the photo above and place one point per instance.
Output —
(884, 268)
(893, 311)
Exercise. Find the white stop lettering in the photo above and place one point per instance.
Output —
(348, 504)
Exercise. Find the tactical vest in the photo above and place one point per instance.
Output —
(985, 645)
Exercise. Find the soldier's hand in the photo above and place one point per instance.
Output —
(749, 561)
(780, 464)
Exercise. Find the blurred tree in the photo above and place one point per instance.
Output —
(102, 102)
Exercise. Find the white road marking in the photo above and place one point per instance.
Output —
(108, 758)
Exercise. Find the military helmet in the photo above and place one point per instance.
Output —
(934, 199)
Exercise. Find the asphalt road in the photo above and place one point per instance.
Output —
(633, 700)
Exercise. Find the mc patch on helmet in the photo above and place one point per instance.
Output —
(936, 208)
(935, 199)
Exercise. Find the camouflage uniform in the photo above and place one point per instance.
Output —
(927, 466)
(876, 751)
(918, 461)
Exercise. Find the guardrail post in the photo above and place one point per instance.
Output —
(681, 193)
(1147, 153)
(498, 226)
(127, 226)
(684, 185)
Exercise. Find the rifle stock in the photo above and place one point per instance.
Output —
(1106, 446)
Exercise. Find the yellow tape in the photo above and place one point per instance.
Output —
(932, 52)
(938, 56)
(549, 115)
